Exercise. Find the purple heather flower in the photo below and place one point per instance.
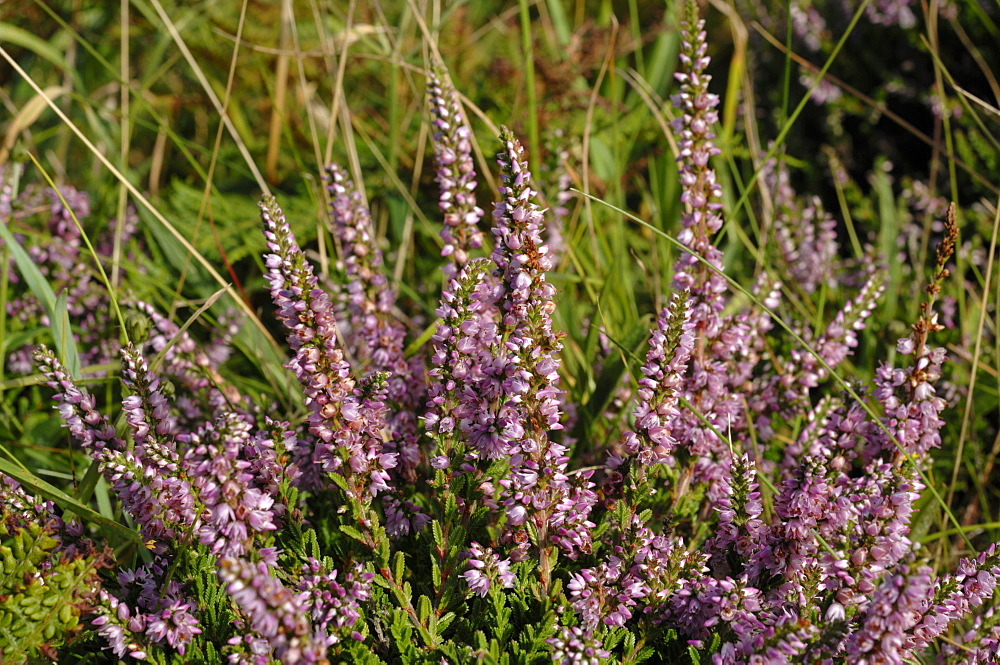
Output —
(174, 625)
(728, 348)
(146, 409)
(346, 425)
(577, 646)
(115, 623)
(804, 232)
(148, 479)
(275, 612)
(527, 368)
(463, 340)
(333, 605)
(740, 530)
(456, 176)
(377, 339)
(160, 612)
(956, 595)
(237, 506)
(895, 609)
(78, 408)
(403, 517)
(192, 368)
(485, 569)
(670, 347)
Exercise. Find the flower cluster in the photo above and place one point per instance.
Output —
(455, 175)
(427, 502)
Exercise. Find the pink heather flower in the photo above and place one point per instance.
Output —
(334, 606)
(377, 339)
(895, 609)
(347, 424)
(148, 480)
(485, 568)
(670, 347)
(237, 505)
(577, 646)
(537, 487)
(462, 348)
(456, 176)
(78, 408)
(274, 611)
(804, 233)
(173, 625)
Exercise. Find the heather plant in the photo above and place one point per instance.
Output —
(433, 488)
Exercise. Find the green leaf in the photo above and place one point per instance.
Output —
(438, 534)
(435, 574)
(353, 533)
(424, 608)
(43, 489)
(63, 334)
(399, 566)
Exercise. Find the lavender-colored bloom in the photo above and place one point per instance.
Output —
(147, 612)
(787, 392)
(537, 487)
(462, 339)
(377, 339)
(895, 609)
(485, 569)
(346, 425)
(891, 12)
(192, 368)
(403, 517)
(236, 506)
(670, 347)
(804, 232)
(456, 176)
(275, 612)
(148, 479)
(576, 646)
(174, 625)
(740, 531)
(119, 629)
(78, 408)
(971, 586)
(146, 409)
(334, 606)
(722, 362)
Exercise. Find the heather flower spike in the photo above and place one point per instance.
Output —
(379, 337)
(455, 174)
(346, 427)
(537, 491)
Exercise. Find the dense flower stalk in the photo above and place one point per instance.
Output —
(147, 479)
(379, 338)
(347, 432)
(235, 508)
(576, 646)
(334, 606)
(456, 176)
(804, 233)
(725, 354)
(537, 488)
(275, 612)
(660, 387)
(484, 569)
(461, 342)
(148, 612)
